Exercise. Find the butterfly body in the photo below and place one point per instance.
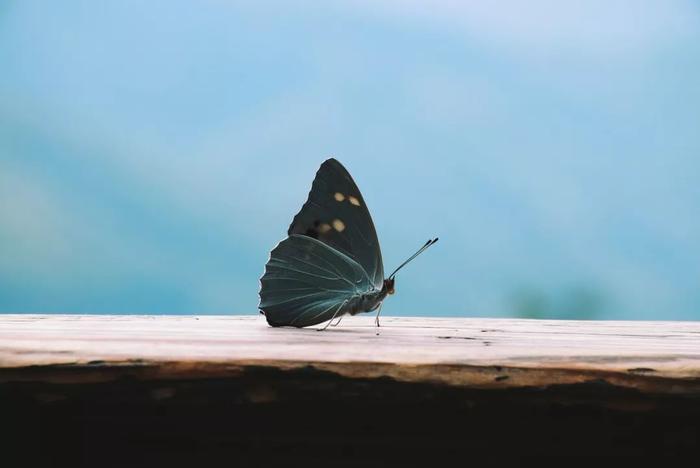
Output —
(330, 264)
(370, 301)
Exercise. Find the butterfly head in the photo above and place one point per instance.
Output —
(389, 285)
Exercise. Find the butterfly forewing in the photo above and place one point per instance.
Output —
(336, 214)
(306, 282)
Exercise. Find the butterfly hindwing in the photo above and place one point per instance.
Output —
(306, 282)
(336, 214)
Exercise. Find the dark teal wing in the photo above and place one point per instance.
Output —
(337, 215)
(306, 282)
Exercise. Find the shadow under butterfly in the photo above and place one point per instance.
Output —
(330, 264)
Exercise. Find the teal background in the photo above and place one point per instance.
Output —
(152, 153)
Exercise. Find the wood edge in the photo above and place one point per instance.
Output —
(485, 377)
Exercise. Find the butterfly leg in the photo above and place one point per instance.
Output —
(336, 313)
(338, 322)
(376, 319)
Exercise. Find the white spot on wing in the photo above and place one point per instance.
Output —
(354, 200)
(339, 197)
(338, 225)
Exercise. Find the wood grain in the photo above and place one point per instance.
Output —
(653, 357)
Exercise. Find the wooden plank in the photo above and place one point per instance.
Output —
(659, 357)
(145, 391)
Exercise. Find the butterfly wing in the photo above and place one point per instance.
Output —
(336, 214)
(306, 282)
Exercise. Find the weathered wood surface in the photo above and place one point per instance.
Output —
(657, 357)
(137, 391)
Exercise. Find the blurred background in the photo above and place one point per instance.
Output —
(152, 153)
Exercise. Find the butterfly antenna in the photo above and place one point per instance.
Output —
(420, 251)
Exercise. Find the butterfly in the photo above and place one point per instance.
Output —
(330, 264)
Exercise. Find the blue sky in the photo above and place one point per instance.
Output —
(151, 154)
